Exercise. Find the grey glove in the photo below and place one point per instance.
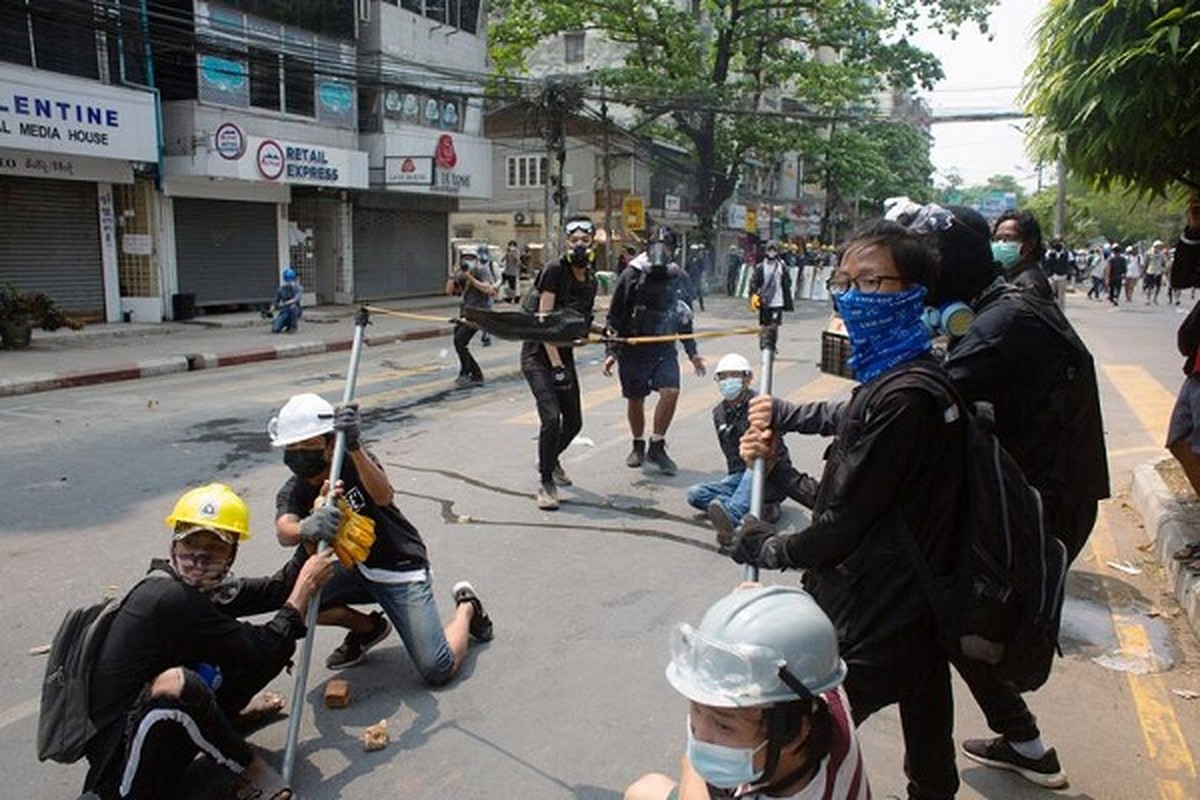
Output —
(756, 542)
(322, 525)
(346, 420)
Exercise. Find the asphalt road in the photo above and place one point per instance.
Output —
(569, 700)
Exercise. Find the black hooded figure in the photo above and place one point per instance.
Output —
(1021, 355)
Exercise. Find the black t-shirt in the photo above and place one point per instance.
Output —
(398, 546)
(558, 277)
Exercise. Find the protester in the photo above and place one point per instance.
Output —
(893, 473)
(771, 287)
(474, 283)
(727, 500)
(512, 269)
(1156, 266)
(1183, 435)
(733, 269)
(1058, 264)
(395, 573)
(1022, 356)
(650, 299)
(1017, 246)
(177, 665)
(549, 368)
(1133, 272)
(1098, 272)
(766, 715)
(696, 266)
(286, 305)
(1114, 275)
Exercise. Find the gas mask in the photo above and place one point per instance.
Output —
(950, 319)
(580, 255)
(659, 256)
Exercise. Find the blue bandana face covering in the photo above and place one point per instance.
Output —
(885, 329)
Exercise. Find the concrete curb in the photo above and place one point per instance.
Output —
(192, 362)
(1161, 515)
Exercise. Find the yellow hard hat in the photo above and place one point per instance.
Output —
(215, 508)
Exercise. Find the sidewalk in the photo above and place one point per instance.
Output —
(127, 351)
(1172, 520)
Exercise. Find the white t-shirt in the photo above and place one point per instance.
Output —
(773, 282)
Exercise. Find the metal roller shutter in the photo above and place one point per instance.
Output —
(51, 242)
(398, 253)
(225, 251)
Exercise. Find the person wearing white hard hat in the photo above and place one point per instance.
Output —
(394, 572)
(727, 500)
(1155, 268)
(177, 665)
(767, 716)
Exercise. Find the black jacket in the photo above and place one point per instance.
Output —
(165, 623)
(896, 463)
(1022, 356)
(1030, 278)
(646, 304)
(756, 284)
(783, 481)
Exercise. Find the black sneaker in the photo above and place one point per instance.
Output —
(998, 753)
(354, 647)
(719, 517)
(637, 455)
(656, 455)
(481, 623)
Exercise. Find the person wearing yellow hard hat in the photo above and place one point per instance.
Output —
(392, 571)
(177, 665)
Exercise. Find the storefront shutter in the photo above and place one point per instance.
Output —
(225, 251)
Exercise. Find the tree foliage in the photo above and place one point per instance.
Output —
(1114, 88)
(1110, 215)
(711, 69)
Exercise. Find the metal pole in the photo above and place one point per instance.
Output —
(361, 321)
(767, 340)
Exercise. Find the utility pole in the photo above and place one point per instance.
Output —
(1060, 202)
(609, 254)
(557, 101)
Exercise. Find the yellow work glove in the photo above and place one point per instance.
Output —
(355, 536)
(755, 302)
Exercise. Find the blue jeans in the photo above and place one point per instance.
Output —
(413, 612)
(733, 491)
(286, 317)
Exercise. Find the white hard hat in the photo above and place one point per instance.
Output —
(752, 647)
(302, 417)
(732, 362)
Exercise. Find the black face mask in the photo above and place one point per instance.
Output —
(579, 255)
(305, 463)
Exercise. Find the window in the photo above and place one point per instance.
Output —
(264, 79)
(526, 171)
(573, 42)
(299, 86)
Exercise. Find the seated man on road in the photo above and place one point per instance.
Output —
(177, 665)
(727, 500)
(766, 714)
(395, 572)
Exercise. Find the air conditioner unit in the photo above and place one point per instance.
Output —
(519, 218)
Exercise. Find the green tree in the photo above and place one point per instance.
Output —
(975, 195)
(1095, 215)
(709, 71)
(1114, 88)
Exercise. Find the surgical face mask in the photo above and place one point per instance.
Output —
(1006, 253)
(721, 766)
(305, 463)
(730, 388)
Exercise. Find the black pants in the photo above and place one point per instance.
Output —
(146, 755)
(560, 411)
(468, 367)
(911, 670)
(1114, 290)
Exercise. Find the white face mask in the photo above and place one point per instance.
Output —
(721, 766)
(1007, 253)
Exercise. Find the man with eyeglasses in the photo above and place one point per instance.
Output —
(892, 479)
(549, 368)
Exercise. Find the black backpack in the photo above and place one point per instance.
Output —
(1002, 603)
(65, 724)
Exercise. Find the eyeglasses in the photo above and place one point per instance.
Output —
(867, 284)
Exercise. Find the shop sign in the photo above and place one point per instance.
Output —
(633, 211)
(461, 165)
(53, 113)
(408, 170)
(33, 164)
(735, 216)
(275, 160)
(752, 220)
(671, 202)
(229, 141)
